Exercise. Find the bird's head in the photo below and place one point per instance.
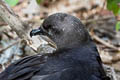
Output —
(65, 30)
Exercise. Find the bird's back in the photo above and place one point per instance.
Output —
(62, 65)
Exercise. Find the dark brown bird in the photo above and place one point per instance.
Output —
(76, 57)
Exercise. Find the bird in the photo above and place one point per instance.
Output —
(76, 56)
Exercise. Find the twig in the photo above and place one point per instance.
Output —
(116, 58)
(9, 46)
(104, 42)
(94, 20)
(13, 20)
(21, 29)
(18, 41)
(2, 23)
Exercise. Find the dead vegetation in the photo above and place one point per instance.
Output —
(15, 42)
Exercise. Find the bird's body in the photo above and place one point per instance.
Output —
(77, 60)
(72, 66)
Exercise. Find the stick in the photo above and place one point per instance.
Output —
(104, 42)
(21, 29)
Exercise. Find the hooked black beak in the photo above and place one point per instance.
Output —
(38, 31)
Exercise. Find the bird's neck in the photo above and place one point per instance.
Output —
(73, 45)
(75, 48)
(69, 48)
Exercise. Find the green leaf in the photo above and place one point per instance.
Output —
(118, 1)
(112, 5)
(109, 2)
(119, 11)
(12, 2)
(115, 9)
(39, 1)
(118, 26)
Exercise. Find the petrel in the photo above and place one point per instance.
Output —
(76, 56)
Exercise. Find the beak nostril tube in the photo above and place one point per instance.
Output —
(36, 32)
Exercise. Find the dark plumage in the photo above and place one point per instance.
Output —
(76, 57)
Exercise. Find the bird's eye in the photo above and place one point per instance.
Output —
(51, 29)
(47, 27)
(55, 31)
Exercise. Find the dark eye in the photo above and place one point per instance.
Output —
(56, 31)
(47, 27)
